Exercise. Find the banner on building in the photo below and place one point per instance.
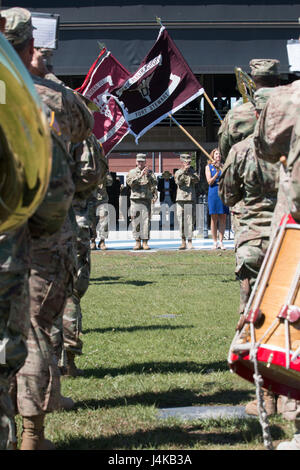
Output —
(162, 85)
(106, 74)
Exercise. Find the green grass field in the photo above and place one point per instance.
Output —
(138, 360)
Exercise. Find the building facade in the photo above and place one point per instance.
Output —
(213, 36)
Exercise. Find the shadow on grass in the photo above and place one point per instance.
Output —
(105, 280)
(158, 368)
(170, 399)
(131, 329)
(176, 436)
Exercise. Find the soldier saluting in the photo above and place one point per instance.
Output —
(186, 179)
(143, 184)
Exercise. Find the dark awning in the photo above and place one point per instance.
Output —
(214, 36)
(205, 50)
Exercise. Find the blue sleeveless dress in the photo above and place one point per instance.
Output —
(215, 205)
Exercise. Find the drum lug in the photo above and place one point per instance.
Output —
(290, 313)
(253, 315)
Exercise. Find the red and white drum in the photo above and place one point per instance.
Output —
(271, 328)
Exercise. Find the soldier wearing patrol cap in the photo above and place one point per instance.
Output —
(186, 180)
(14, 310)
(143, 186)
(240, 121)
(255, 182)
(37, 385)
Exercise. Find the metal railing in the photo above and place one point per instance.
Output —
(191, 117)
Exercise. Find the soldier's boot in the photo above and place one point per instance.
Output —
(145, 245)
(183, 244)
(93, 244)
(33, 434)
(66, 404)
(71, 368)
(138, 245)
(269, 402)
(102, 245)
(190, 245)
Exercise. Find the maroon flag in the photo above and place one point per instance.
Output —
(162, 85)
(105, 74)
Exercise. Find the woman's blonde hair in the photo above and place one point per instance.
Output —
(212, 153)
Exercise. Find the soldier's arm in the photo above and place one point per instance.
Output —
(230, 183)
(223, 137)
(133, 178)
(181, 177)
(195, 178)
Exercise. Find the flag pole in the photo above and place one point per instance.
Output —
(158, 20)
(212, 106)
(191, 137)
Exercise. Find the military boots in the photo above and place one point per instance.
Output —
(145, 245)
(71, 369)
(183, 244)
(33, 434)
(102, 245)
(190, 245)
(93, 244)
(138, 245)
(269, 402)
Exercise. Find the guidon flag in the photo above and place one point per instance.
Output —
(162, 85)
(106, 74)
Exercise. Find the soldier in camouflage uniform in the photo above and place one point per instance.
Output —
(143, 186)
(101, 212)
(277, 135)
(240, 121)
(14, 299)
(254, 181)
(91, 169)
(186, 180)
(37, 388)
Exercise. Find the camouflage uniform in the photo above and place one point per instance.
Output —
(143, 191)
(186, 180)
(277, 135)
(255, 182)
(272, 138)
(14, 321)
(239, 123)
(37, 384)
(90, 169)
(100, 209)
(14, 287)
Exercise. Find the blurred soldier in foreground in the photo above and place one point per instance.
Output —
(143, 186)
(277, 138)
(100, 213)
(240, 121)
(254, 181)
(186, 180)
(37, 387)
(15, 246)
(90, 170)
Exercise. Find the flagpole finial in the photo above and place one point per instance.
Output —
(101, 45)
(158, 20)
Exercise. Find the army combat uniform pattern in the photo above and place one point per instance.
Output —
(143, 191)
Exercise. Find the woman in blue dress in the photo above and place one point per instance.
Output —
(216, 208)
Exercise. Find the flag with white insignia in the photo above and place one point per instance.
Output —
(162, 85)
